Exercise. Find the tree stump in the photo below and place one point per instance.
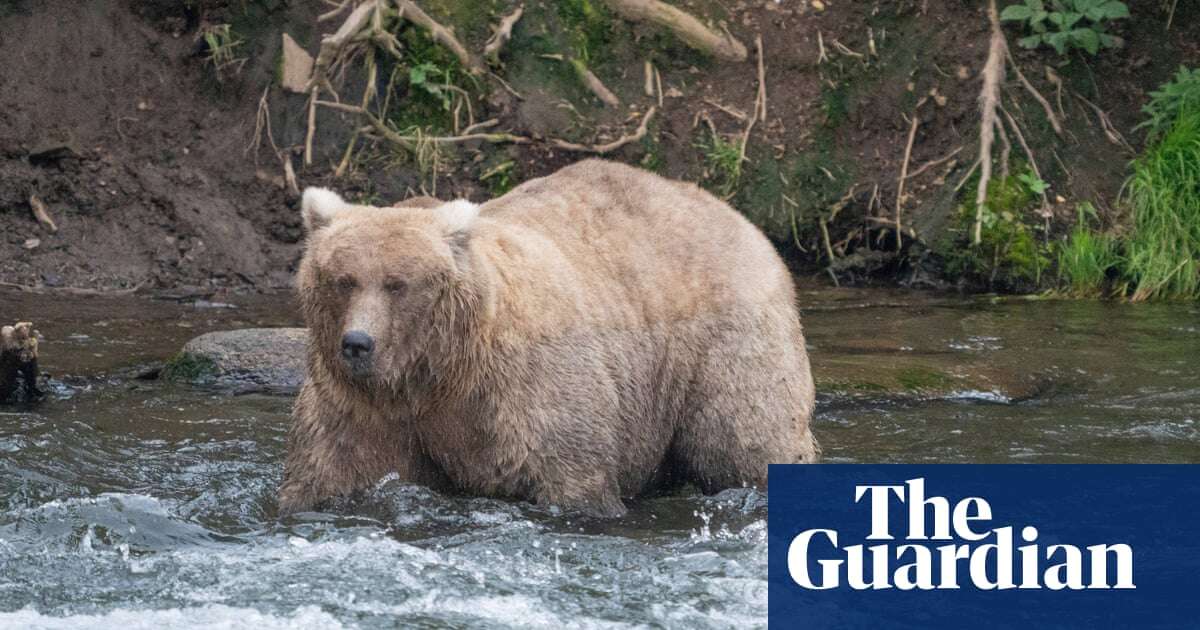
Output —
(18, 363)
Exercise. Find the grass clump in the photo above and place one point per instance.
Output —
(1087, 258)
(723, 163)
(1162, 258)
(222, 50)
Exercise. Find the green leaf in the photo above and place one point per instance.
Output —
(1070, 19)
(420, 73)
(1058, 41)
(1087, 39)
(1031, 42)
(1038, 17)
(1036, 6)
(1115, 10)
(1016, 13)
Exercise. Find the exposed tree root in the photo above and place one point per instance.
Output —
(589, 80)
(1054, 122)
(442, 35)
(989, 100)
(684, 25)
(501, 35)
(601, 149)
(1045, 209)
(912, 135)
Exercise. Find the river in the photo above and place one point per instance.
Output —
(135, 503)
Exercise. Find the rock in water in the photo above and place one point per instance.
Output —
(249, 360)
(18, 363)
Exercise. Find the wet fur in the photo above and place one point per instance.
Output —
(591, 336)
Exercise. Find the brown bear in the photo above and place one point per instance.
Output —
(594, 335)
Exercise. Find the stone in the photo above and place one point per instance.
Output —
(268, 360)
(297, 66)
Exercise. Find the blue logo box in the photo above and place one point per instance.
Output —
(984, 546)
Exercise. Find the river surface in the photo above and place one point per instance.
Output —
(129, 503)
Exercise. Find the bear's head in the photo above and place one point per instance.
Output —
(383, 288)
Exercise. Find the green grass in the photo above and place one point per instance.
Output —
(1162, 256)
(1087, 257)
(723, 161)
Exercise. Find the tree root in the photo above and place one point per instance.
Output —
(1054, 122)
(442, 35)
(601, 149)
(989, 100)
(501, 35)
(684, 25)
(589, 80)
(912, 135)
(1045, 210)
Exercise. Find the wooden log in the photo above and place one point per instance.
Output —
(18, 363)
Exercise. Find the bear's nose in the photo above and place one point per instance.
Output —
(357, 344)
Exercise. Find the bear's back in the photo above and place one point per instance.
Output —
(628, 234)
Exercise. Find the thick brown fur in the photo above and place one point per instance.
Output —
(588, 337)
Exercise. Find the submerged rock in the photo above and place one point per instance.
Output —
(247, 360)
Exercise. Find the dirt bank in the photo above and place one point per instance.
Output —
(145, 155)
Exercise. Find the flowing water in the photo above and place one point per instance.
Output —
(138, 504)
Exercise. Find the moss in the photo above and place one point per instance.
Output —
(1012, 252)
(846, 385)
(189, 368)
(922, 378)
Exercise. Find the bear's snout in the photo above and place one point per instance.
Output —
(357, 347)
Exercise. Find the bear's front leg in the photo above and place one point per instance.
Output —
(339, 445)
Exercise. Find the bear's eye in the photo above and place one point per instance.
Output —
(396, 287)
(345, 283)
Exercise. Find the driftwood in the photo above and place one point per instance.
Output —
(18, 363)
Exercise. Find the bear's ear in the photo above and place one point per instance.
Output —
(319, 206)
(456, 219)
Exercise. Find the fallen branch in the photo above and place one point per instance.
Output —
(684, 25)
(989, 100)
(42, 214)
(600, 149)
(501, 35)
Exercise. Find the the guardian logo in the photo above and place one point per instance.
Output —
(973, 555)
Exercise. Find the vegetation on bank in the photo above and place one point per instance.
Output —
(429, 101)
(1159, 256)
